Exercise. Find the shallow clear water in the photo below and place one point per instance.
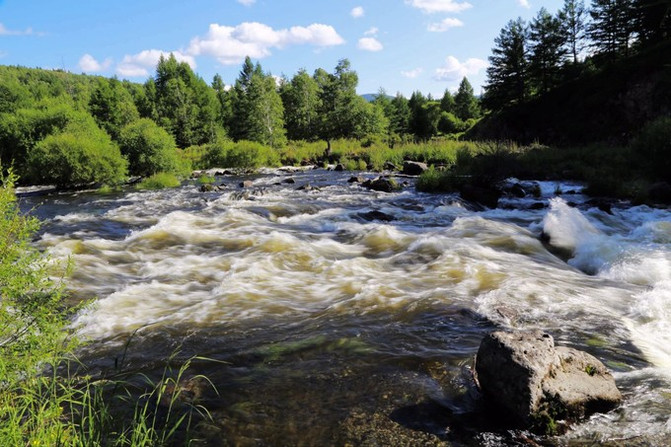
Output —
(327, 324)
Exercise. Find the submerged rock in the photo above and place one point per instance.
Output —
(485, 196)
(538, 385)
(381, 184)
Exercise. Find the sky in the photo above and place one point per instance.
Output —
(398, 45)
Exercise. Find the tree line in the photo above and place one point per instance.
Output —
(61, 128)
(529, 59)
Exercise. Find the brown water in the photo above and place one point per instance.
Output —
(325, 324)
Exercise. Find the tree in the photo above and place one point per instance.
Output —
(573, 17)
(465, 103)
(507, 71)
(547, 50)
(399, 122)
(447, 102)
(224, 107)
(183, 103)
(612, 28)
(148, 148)
(654, 20)
(258, 113)
(425, 116)
(112, 106)
(301, 101)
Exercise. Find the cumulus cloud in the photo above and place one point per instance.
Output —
(247, 2)
(524, 3)
(445, 24)
(371, 32)
(89, 64)
(142, 63)
(230, 45)
(357, 12)
(454, 70)
(411, 74)
(432, 6)
(369, 44)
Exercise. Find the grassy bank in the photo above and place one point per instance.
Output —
(44, 403)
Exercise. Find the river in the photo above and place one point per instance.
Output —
(337, 315)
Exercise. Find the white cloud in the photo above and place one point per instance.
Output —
(411, 74)
(455, 70)
(4, 31)
(445, 24)
(247, 2)
(369, 44)
(431, 6)
(371, 32)
(357, 12)
(524, 3)
(230, 45)
(142, 63)
(89, 64)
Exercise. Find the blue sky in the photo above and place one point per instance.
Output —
(399, 45)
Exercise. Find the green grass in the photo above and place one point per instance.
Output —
(42, 401)
(159, 181)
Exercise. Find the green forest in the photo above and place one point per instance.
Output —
(547, 84)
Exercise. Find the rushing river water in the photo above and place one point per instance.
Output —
(338, 315)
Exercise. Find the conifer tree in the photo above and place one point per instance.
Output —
(507, 72)
(547, 51)
(573, 18)
(465, 103)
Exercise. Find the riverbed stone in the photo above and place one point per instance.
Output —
(381, 184)
(537, 384)
(414, 167)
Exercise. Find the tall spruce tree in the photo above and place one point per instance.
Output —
(612, 28)
(466, 105)
(507, 71)
(573, 18)
(547, 51)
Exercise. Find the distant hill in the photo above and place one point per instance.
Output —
(370, 97)
(610, 105)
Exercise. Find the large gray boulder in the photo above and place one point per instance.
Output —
(414, 167)
(539, 385)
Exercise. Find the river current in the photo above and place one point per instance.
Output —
(336, 315)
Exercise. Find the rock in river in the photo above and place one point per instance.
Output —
(414, 167)
(538, 385)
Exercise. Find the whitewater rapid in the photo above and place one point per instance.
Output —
(376, 266)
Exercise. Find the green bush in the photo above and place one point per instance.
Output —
(242, 154)
(149, 148)
(33, 334)
(160, 180)
(653, 148)
(81, 154)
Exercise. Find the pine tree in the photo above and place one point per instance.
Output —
(465, 103)
(447, 102)
(547, 51)
(612, 28)
(507, 72)
(573, 18)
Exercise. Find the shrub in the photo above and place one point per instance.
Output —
(149, 148)
(243, 154)
(653, 148)
(160, 180)
(81, 154)
(33, 333)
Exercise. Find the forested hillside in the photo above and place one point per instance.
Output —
(581, 75)
(67, 129)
